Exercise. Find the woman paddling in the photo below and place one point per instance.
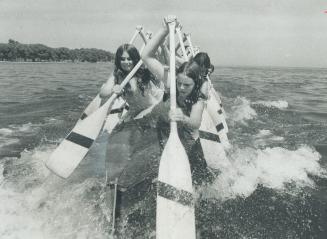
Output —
(191, 96)
(142, 91)
(132, 149)
(203, 60)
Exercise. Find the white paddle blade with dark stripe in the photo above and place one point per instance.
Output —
(213, 150)
(216, 114)
(175, 207)
(75, 146)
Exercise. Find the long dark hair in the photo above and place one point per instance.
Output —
(193, 70)
(144, 75)
(203, 60)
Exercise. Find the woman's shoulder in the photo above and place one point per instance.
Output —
(204, 91)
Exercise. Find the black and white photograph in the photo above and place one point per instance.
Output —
(152, 119)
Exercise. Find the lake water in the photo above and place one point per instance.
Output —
(274, 187)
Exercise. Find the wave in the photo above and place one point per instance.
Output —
(6, 131)
(274, 168)
(280, 104)
(265, 137)
(37, 204)
(241, 110)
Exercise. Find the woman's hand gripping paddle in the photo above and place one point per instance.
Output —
(175, 206)
(75, 146)
(120, 108)
(96, 102)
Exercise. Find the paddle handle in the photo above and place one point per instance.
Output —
(179, 34)
(137, 31)
(178, 45)
(144, 43)
(148, 34)
(188, 37)
(172, 26)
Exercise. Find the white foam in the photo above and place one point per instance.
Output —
(264, 137)
(6, 142)
(280, 104)
(241, 110)
(26, 127)
(36, 204)
(263, 133)
(6, 131)
(11, 135)
(271, 167)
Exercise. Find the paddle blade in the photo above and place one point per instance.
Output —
(213, 150)
(118, 110)
(75, 146)
(93, 106)
(174, 166)
(217, 116)
(175, 206)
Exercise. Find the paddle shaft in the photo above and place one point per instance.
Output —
(178, 45)
(179, 33)
(188, 36)
(137, 31)
(172, 25)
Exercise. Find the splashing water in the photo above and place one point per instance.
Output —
(280, 104)
(241, 110)
(37, 204)
(273, 168)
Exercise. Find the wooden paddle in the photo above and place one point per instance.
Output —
(96, 102)
(93, 106)
(216, 112)
(188, 37)
(178, 45)
(137, 31)
(175, 206)
(120, 107)
(181, 42)
(75, 146)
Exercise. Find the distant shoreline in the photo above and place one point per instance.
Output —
(14, 51)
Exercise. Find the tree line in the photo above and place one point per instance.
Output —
(15, 51)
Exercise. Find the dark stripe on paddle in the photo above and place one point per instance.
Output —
(119, 110)
(80, 140)
(219, 127)
(114, 111)
(209, 136)
(171, 193)
(83, 116)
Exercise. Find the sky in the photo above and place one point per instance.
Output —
(234, 33)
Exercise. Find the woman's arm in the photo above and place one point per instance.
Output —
(107, 87)
(148, 54)
(194, 120)
(164, 53)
